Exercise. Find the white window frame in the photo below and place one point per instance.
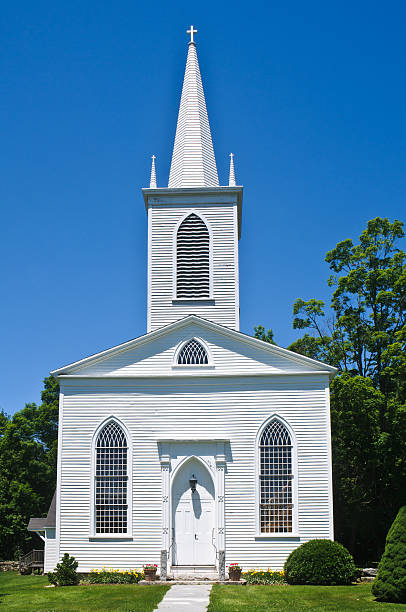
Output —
(175, 298)
(182, 366)
(294, 534)
(110, 536)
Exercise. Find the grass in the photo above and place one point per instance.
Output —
(296, 599)
(27, 594)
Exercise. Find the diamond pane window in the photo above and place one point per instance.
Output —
(193, 353)
(193, 259)
(111, 480)
(275, 479)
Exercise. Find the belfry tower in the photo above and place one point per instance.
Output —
(193, 224)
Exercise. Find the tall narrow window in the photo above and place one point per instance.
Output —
(193, 259)
(275, 479)
(193, 353)
(111, 480)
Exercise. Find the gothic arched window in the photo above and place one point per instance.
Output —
(193, 353)
(111, 480)
(193, 259)
(275, 479)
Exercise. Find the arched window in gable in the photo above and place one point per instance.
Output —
(193, 259)
(193, 353)
(275, 479)
(111, 480)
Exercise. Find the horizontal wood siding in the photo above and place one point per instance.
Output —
(51, 550)
(221, 220)
(218, 408)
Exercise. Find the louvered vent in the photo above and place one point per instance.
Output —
(193, 353)
(192, 259)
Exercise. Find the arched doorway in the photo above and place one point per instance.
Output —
(193, 516)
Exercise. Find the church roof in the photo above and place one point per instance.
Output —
(39, 524)
(305, 364)
(193, 162)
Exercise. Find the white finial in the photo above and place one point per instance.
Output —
(152, 182)
(191, 32)
(231, 179)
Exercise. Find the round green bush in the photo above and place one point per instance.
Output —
(390, 582)
(321, 562)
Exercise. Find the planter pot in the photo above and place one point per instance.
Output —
(150, 574)
(234, 575)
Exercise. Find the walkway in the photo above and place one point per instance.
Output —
(187, 597)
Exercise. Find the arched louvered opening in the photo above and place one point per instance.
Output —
(275, 479)
(193, 259)
(193, 353)
(111, 480)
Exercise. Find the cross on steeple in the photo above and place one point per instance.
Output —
(191, 32)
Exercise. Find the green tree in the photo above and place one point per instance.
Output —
(27, 469)
(365, 338)
(261, 334)
(390, 583)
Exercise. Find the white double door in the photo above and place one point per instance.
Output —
(193, 521)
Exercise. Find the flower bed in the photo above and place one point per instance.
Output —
(114, 576)
(264, 577)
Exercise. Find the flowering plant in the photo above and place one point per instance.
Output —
(234, 566)
(150, 566)
(267, 576)
(115, 576)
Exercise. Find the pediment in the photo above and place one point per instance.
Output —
(230, 353)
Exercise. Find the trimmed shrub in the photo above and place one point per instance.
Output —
(390, 582)
(65, 573)
(115, 576)
(320, 562)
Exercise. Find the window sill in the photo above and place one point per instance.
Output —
(277, 536)
(187, 301)
(203, 366)
(110, 536)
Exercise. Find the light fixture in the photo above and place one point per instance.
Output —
(193, 483)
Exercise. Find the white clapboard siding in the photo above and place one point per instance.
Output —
(227, 356)
(51, 550)
(207, 408)
(220, 216)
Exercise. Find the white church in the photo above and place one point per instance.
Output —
(194, 445)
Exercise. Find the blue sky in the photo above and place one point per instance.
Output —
(310, 97)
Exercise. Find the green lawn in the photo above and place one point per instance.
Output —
(296, 599)
(27, 594)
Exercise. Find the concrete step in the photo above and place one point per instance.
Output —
(193, 572)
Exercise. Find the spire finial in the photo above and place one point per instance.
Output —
(152, 182)
(191, 32)
(231, 179)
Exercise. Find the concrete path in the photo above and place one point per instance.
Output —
(186, 597)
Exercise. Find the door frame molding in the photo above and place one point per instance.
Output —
(173, 454)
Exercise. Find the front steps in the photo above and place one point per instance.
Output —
(193, 572)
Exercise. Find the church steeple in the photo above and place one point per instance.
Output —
(193, 224)
(193, 162)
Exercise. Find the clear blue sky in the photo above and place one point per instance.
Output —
(310, 96)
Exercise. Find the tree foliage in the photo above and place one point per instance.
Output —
(363, 334)
(28, 449)
(365, 338)
(390, 583)
(261, 334)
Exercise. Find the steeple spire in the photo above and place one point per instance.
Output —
(231, 180)
(152, 182)
(193, 162)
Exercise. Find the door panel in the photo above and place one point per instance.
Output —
(193, 517)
